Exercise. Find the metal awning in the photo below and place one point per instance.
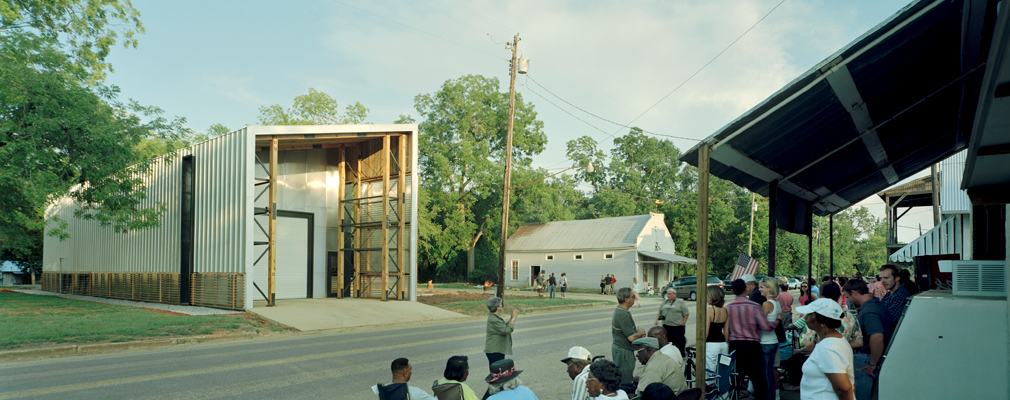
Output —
(668, 257)
(986, 173)
(885, 107)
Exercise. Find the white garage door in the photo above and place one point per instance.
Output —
(292, 259)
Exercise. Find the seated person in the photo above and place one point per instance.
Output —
(504, 384)
(401, 374)
(457, 369)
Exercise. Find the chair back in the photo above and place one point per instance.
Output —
(448, 391)
(726, 367)
(394, 391)
(694, 393)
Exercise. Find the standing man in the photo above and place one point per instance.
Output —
(875, 321)
(564, 285)
(609, 289)
(578, 363)
(752, 291)
(540, 283)
(552, 282)
(743, 332)
(896, 296)
(625, 332)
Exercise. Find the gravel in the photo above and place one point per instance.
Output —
(188, 310)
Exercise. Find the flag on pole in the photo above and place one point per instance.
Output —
(744, 266)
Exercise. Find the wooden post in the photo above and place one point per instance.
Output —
(500, 292)
(272, 231)
(358, 276)
(385, 217)
(342, 171)
(401, 212)
(773, 188)
(702, 266)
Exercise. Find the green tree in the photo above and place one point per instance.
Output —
(312, 108)
(461, 155)
(62, 132)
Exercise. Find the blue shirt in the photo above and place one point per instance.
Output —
(519, 393)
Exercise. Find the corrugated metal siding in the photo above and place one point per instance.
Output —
(952, 198)
(220, 215)
(952, 236)
(220, 175)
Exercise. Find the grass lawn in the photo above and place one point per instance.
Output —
(34, 320)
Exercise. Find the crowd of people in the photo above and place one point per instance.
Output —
(843, 324)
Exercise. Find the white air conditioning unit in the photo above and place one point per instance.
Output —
(985, 278)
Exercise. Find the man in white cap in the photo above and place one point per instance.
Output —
(752, 293)
(578, 361)
(658, 366)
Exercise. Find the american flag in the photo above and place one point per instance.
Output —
(744, 266)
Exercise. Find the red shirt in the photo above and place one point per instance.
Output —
(786, 300)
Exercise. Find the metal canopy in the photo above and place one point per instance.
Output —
(987, 170)
(667, 257)
(882, 109)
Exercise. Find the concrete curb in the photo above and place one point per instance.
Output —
(100, 348)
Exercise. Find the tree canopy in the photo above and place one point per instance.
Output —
(313, 108)
(62, 131)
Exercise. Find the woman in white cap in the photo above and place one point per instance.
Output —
(828, 373)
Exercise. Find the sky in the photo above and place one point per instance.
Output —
(677, 68)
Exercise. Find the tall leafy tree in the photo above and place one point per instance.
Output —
(313, 108)
(62, 132)
(461, 157)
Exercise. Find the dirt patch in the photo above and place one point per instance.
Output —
(436, 298)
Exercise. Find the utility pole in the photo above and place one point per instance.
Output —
(936, 194)
(508, 169)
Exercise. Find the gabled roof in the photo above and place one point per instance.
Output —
(916, 193)
(886, 106)
(601, 233)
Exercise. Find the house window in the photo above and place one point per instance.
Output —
(645, 276)
(608, 256)
(550, 257)
(515, 270)
(578, 257)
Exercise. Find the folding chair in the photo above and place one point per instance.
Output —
(448, 391)
(694, 393)
(723, 378)
(394, 391)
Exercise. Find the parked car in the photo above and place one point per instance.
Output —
(687, 287)
(794, 283)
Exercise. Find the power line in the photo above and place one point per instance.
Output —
(599, 117)
(708, 63)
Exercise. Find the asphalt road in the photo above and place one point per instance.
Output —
(338, 365)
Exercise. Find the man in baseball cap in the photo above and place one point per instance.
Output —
(577, 361)
(659, 367)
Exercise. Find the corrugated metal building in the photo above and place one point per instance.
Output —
(210, 248)
(631, 248)
(954, 233)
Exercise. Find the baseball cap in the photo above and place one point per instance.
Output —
(748, 278)
(647, 341)
(823, 306)
(577, 352)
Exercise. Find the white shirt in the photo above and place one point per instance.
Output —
(579, 391)
(769, 337)
(830, 356)
(620, 395)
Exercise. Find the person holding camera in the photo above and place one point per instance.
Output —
(673, 315)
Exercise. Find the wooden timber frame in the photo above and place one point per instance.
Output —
(372, 211)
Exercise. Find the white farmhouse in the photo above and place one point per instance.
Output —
(637, 247)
